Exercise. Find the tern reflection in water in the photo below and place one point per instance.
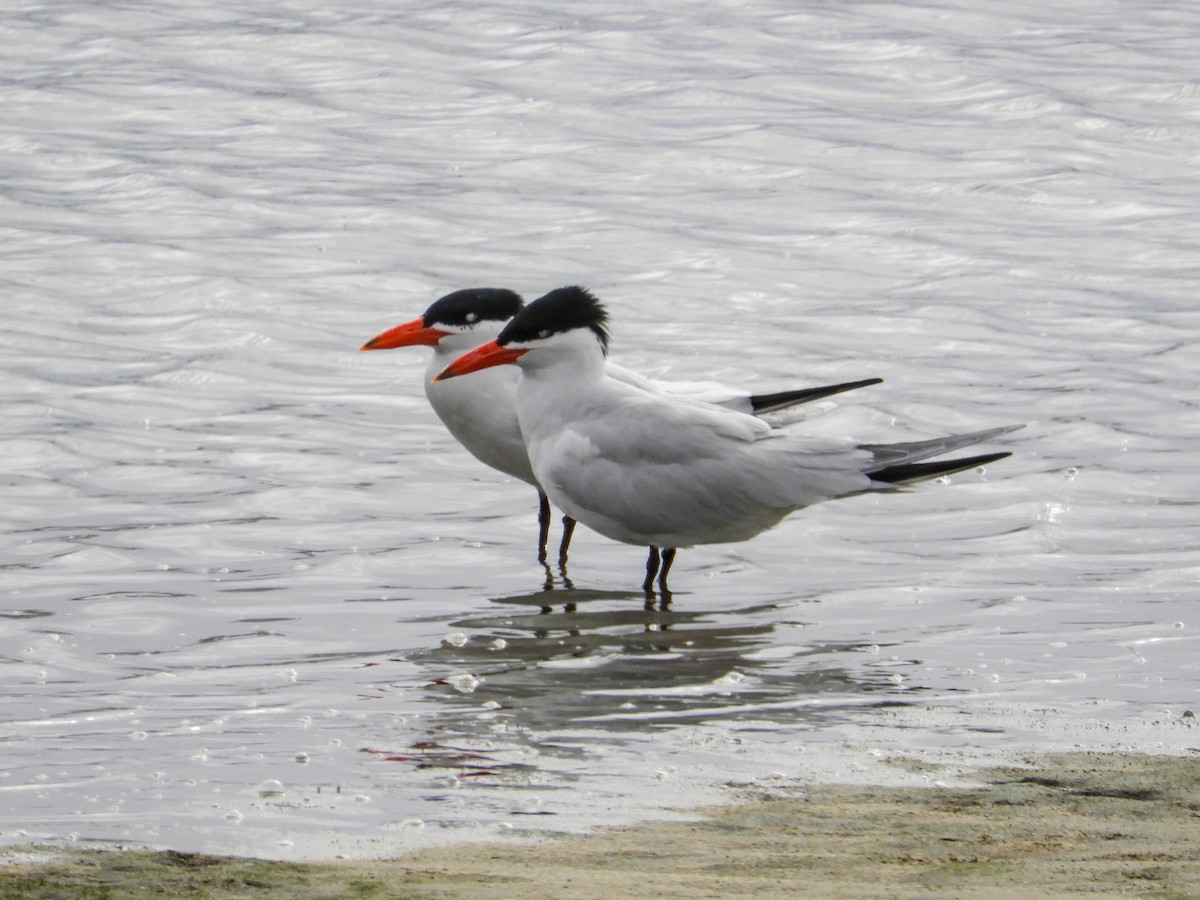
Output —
(568, 657)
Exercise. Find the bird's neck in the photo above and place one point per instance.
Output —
(555, 387)
(576, 366)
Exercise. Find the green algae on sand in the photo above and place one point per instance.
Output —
(1095, 824)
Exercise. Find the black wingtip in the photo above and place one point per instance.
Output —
(769, 403)
(921, 471)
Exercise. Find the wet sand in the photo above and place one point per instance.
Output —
(1095, 824)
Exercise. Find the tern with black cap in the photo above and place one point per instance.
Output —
(647, 469)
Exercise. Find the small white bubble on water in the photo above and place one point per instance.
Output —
(234, 816)
(498, 644)
(301, 758)
(138, 736)
(458, 639)
(270, 788)
(465, 683)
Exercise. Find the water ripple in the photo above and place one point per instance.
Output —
(234, 544)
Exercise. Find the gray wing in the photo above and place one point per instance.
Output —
(667, 469)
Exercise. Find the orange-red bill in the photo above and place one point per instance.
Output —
(410, 334)
(490, 354)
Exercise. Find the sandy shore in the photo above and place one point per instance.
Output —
(1095, 824)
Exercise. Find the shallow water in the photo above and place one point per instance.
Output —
(253, 598)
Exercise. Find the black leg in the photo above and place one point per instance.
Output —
(568, 530)
(668, 557)
(652, 562)
(543, 525)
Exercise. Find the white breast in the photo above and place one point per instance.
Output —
(481, 413)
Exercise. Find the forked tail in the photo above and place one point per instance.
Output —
(900, 463)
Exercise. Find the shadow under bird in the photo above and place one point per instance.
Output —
(482, 414)
(644, 468)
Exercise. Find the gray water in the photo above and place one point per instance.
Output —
(255, 599)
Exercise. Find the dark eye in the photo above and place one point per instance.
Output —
(472, 318)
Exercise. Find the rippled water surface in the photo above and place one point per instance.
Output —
(254, 599)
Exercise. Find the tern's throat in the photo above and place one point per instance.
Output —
(558, 383)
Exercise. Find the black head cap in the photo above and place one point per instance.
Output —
(563, 309)
(463, 308)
